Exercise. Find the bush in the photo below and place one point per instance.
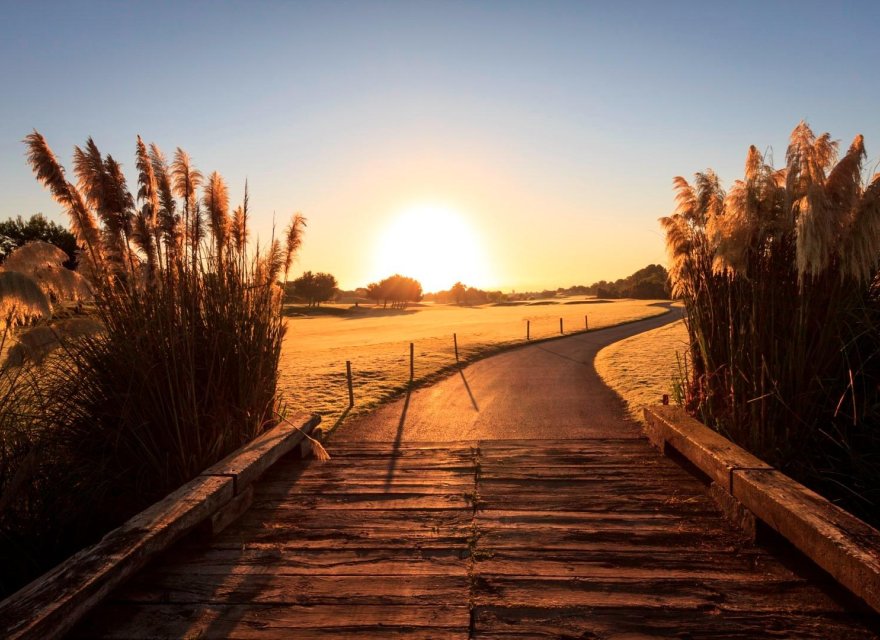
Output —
(779, 277)
(183, 371)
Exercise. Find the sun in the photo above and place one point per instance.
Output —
(435, 245)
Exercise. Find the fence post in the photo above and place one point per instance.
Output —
(560, 326)
(348, 377)
(412, 367)
(586, 322)
(528, 328)
(455, 342)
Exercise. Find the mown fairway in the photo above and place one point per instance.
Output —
(376, 341)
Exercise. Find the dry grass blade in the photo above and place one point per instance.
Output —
(51, 174)
(294, 236)
(318, 449)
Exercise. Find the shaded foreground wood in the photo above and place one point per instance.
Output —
(50, 605)
(747, 488)
(571, 538)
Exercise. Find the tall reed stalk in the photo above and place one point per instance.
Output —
(183, 370)
(779, 277)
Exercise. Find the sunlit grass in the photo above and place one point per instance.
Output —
(312, 372)
(641, 369)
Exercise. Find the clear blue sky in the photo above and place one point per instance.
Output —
(552, 129)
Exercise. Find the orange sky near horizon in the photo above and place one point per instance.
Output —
(549, 132)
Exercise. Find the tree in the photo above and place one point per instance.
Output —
(314, 288)
(458, 292)
(15, 232)
(397, 289)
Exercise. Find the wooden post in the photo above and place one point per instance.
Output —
(455, 342)
(560, 326)
(666, 398)
(586, 322)
(528, 327)
(350, 388)
(412, 367)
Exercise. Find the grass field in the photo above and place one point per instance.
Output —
(376, 341)
(641, 369)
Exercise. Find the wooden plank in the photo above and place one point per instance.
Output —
(53, 603)
(258, 559)
(725, 595)
(610, 539)
(249, 462)
(245, 622)
(663, 622)
(711, 452)
(229, 513)
(742, 564)
(837, 541)
(271, 588)
(378, 500)
(281, 490)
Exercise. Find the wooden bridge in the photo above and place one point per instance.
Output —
(575, 538)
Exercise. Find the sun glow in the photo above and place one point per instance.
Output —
(436, 246)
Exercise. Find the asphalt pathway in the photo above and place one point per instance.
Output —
(548, 389)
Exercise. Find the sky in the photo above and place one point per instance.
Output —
(509, 145)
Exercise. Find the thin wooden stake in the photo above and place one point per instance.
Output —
(528, 329)
(412, 366)
(350, 388)
(455, 342)
(586, 323)
(560, 325)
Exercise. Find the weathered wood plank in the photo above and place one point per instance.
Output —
(771, 594)
(251, 461)
(134, 622)
(260, 559)
(610, 540)
(711, 452)
(378, 500)
(663, 622)
(837, 541)
(741, 564)
(53, 603)
(272, 588)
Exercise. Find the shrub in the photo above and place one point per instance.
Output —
(779, 278)
(183, 371)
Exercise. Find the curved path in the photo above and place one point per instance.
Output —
(547, 389)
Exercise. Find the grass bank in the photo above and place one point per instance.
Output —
(643, 368)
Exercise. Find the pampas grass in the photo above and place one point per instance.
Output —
(178, 368)
(779, 279)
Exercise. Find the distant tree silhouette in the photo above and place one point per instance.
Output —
(15, 232)
(458, 292)
(461, 294)
(314, 288)
(397, 290)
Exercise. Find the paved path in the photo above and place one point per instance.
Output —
(579, 529)
(548, 389)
